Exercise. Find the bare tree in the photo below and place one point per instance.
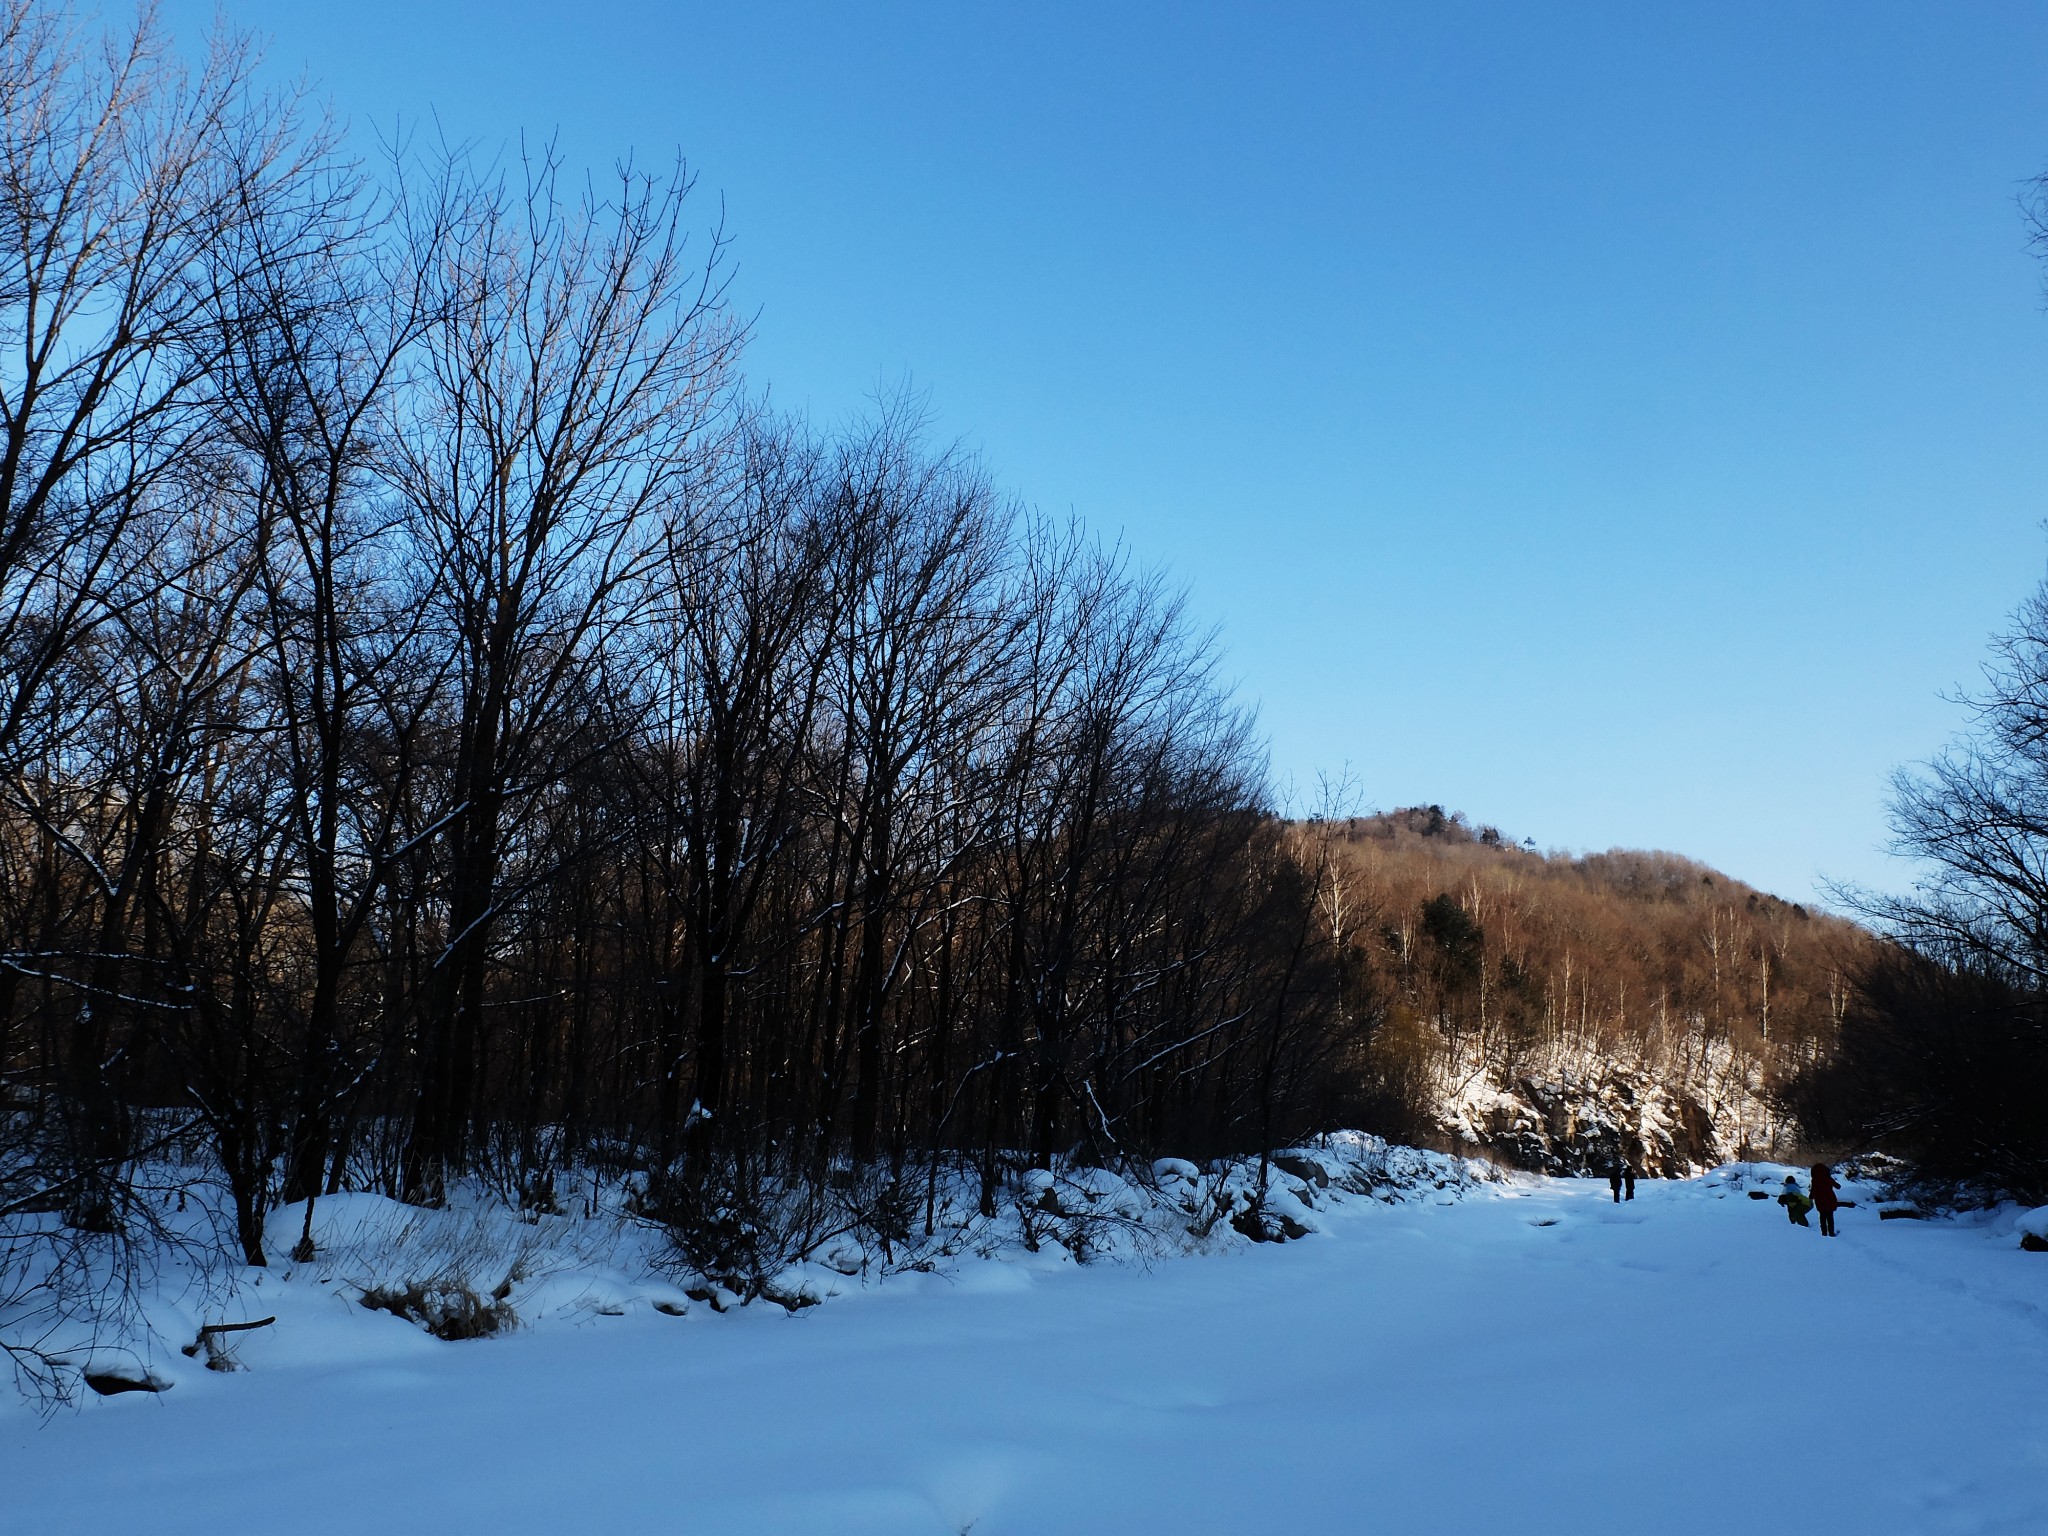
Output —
(122, 173)
(575, 370)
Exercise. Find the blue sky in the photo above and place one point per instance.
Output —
(1619, 422)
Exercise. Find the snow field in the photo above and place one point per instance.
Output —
(1526, 1356)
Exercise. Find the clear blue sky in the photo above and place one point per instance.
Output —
(1621, 422)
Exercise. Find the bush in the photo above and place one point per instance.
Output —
(447, 1308)
(739, 1222)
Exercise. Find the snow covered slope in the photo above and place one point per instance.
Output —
(1529, 1357)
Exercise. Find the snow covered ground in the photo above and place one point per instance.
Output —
(1529, 1357)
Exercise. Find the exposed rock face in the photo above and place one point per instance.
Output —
(1578, 1120)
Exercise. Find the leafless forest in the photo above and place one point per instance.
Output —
(451, 729)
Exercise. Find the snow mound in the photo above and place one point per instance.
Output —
(474, 1268)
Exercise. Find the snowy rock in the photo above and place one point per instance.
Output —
(803, 1285)
(1279, 1218)
(1082, 1192)
(1303, 1165)
(1576, 1117)
(110, 1373)
(2033, 1229)
(844, 1257)
(717, 1297)
(1108, 1194)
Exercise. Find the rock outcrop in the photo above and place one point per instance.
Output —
(1576, 1120)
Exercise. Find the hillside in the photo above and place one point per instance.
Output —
(1553, 1009)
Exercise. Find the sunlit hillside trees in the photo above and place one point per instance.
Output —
(1498, 961)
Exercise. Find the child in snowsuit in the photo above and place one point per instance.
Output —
(1825, 1197)
(1796, 1205)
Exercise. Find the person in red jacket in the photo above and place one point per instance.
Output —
(1825, 1198)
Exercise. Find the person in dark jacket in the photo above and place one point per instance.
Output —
(1614, 1179)
(1628, 1181)
(1825, 1197)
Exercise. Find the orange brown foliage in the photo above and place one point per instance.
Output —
(1493, 957)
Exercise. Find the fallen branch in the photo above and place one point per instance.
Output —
(208, 1330)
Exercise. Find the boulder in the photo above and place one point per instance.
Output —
(1266, 1225)
(1303, 1167)
(108, 1380)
